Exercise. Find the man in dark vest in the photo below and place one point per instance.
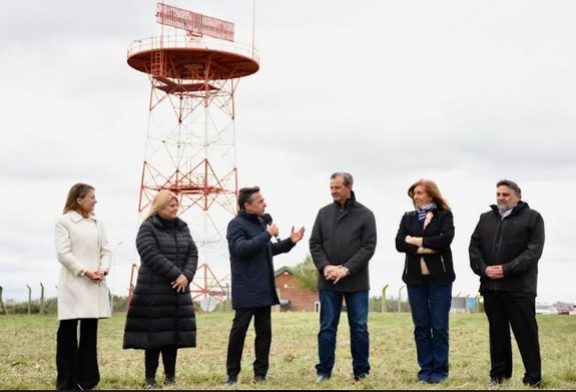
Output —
(253, 285)
(504, 251)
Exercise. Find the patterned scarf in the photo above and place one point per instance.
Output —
(422, 211)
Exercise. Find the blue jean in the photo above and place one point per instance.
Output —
(430, 306)
(330, 308)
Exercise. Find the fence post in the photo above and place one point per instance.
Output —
(131, 286)
(383, 305)
(29, 300)
(227, 304)
(41, 298)
(400, 299)
(2, 303)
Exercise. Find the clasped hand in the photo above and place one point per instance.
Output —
(335, 272)
(180, 283)
(95, 276)
(494, 272)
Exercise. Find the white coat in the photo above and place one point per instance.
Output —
(81, 245)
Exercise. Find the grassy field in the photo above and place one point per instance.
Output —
(27, 354)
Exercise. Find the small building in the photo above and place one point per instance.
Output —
(291, 297)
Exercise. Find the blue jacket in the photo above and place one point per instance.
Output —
(252, 270)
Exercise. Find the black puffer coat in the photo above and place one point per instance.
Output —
(158, 315)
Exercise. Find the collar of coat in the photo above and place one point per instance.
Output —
(251, 217)
(180, 224)
(349, 203)
(76, 217)
(515, 211)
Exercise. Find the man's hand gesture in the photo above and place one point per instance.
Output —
(296, 236)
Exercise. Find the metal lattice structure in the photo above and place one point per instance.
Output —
(190, 143)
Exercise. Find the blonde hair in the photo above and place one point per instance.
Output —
(78, 191)
(432, 190)
(162, 199)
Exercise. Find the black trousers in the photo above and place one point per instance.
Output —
(518, 311)
(77, 364)
(263, 328)
(151, 358)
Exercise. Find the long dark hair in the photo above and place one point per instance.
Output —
(432, 190)
(78, 191)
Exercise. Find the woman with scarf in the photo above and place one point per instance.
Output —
(425, 235)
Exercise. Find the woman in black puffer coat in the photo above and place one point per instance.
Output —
(161, 315)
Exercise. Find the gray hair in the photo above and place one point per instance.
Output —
(512, 185)
(347, 177)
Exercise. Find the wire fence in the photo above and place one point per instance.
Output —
(383, 303)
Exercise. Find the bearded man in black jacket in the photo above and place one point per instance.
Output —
(504, 251)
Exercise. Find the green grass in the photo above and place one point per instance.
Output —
(27, 354)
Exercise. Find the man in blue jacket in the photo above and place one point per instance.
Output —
(253, 284)
(504, 251)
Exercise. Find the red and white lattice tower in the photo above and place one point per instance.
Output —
(194, 67)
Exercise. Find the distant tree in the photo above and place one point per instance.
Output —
(306, 274)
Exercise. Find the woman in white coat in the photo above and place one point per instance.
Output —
(84, 253)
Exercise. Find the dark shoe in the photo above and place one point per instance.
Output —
(170, 380)
(532, 384)
(259, 379)
(232, 380)
(321, 378)
(361, 376)
(497, 381)
(150, 383)
(88, 387)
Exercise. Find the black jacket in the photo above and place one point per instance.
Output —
(252, 270)
(158, 315)
(515, 242)
(344, 236)
(437, 235)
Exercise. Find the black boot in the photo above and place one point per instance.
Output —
(169, 379)
(150, 383)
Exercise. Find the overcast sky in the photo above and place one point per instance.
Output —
(462, 92)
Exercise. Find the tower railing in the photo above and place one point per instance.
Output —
(183, 42)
